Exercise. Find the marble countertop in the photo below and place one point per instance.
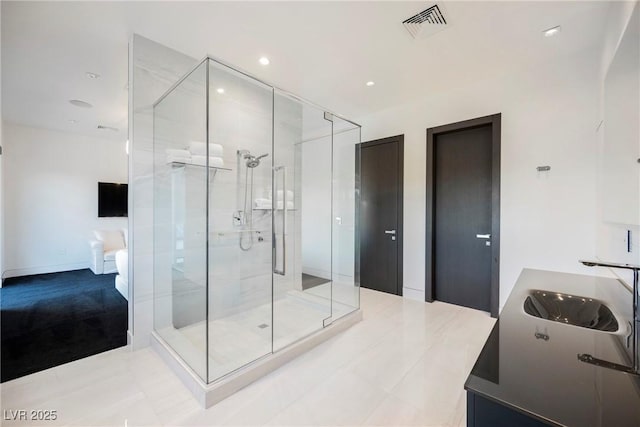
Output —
(544, 378)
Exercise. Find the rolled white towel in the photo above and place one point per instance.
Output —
(263, 203)
(197, 148)
(178, 153)
(280, 195)
(214, 162)
(200, 149)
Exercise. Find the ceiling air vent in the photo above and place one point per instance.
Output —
(427, 22)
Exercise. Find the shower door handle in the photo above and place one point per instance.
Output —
(284, 221)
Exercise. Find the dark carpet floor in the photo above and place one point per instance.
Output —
(50, 319)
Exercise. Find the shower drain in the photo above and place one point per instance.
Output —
(262, 326)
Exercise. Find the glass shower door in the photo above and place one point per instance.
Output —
(239, 220)
(345, 203)
(301, 220)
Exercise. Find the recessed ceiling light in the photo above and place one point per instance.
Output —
(81, 104)
(73, 121)
(220, 90)
(264, 60)
(92, 75)
(552, 31)
(370, 83)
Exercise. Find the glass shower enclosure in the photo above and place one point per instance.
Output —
(255, 219)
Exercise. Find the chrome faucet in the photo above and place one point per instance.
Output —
(635, 369)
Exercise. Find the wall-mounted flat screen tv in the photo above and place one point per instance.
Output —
(112, 200)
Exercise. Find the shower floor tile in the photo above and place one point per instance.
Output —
(382, 371)
(239, 339)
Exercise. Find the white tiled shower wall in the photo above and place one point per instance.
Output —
(153, 68)
(239, 119)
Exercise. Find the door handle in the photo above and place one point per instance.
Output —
(282, 272)
(389, 231)
(483, 236)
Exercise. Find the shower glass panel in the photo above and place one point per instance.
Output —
(180, 221)
(302, 220)
(240, 220)
(345, 202)
(255, 207)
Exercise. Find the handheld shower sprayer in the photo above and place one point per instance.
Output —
(243, 217)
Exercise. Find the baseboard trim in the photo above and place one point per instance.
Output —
(414, 294)
(30, 271)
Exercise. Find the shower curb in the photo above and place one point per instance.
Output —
(210, 394)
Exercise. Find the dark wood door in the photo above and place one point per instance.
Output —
(381, 215)
(462, 217)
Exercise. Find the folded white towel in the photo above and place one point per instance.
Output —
(178, 153)
(280, 194)
(200, 149)
(289, 195)
(178, 159)
(214, 162)
(268, 204)
(289, 205)
(263, 201)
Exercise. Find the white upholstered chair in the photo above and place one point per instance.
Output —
(104, 248)
(122, 279)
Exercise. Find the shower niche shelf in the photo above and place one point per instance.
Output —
(224, 233)
(270, 209)
(183, 164)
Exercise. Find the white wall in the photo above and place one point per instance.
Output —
(616, 22)
(549, 117)
(51, 197)
(611, 236)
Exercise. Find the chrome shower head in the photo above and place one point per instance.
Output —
(253, 161)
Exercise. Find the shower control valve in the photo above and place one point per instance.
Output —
(238, 218)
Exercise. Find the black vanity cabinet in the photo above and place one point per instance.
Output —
(482, 412)
(528, 373)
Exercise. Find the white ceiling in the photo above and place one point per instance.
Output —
(323, 51)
